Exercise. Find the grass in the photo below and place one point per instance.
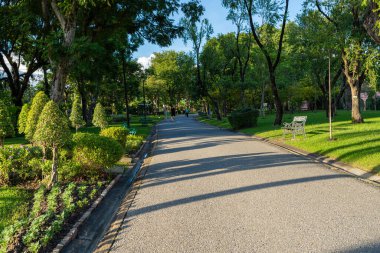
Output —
(355, 144)
(13, 204)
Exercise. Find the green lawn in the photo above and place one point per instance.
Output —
(13, 204)
(355, 144)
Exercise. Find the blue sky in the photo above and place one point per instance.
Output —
(216, 14)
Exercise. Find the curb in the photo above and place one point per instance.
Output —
(72, 234)
(74, 230)
(327, 161)
(106, 243)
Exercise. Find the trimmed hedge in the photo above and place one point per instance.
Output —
(119, 134)
(133, 143)
(94, 152)
(244, 118)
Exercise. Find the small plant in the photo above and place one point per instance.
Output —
(76, 117)
(39, 197)
(133, 143)
(22, 118)
(96, 153)
(119, 134)
(6, 126)
(53, 132)
(52, 199)
(100, 118)
(38, 104)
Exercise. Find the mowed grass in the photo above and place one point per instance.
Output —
(13, 204)
(355, 144)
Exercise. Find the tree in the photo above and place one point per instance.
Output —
(54, 132)
(100, 119)
(22, 118)
(36, 108)
(6, 126)
(76, 117)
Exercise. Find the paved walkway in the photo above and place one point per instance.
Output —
(209, 190)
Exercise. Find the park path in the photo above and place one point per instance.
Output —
(211, 190)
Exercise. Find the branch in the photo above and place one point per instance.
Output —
(6, 69)
(282, 35)
(58, 14)
(324, 14)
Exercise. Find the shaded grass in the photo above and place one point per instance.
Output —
(13, 204)
(355, 144)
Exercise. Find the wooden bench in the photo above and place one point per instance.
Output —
(297, 126)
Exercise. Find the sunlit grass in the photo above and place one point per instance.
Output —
(13, 204)
(356, 144)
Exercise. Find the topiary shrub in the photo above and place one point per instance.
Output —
(76, 117)
(38, 104)
(100, 119)
(96, 153)
(244, 118)
(52, 132)
(119, 134)
(22, 118)
(133, 143)
(6, 126)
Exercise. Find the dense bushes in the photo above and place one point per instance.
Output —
(94, 152)
(243, 118)
(6, 126)
(119, 134)
(133, 143)
(16, 165)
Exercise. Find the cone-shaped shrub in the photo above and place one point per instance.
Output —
(99, 119)
(22, 118)
(38, 103)
(76, 117)
(6, 126)
(53, 132)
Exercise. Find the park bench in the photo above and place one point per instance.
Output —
(297, 126)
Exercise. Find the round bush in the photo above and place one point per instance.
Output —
(96, 152)
(244, 118)
(119, 134)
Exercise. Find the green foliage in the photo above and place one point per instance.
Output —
(100, 118)
(53, 128)
(119, 134)
(15, 164)
(243, 118)
(6, 126)
(36, 108)
(76, 117)
(96, 153)
(22, 118)
(133, 143)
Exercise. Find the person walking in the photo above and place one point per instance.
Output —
(172, 112)
(187, 112)
(165, 111)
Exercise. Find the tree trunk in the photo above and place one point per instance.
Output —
(262, 109)
(54, 168)
(126, 91)
(355, 99)
(277, 100)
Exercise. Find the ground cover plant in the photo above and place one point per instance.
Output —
(355, 144)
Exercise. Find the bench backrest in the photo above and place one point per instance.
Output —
(300, 119)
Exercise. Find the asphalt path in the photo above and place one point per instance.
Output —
(211, 190)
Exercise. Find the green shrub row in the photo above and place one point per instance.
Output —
(133, 143)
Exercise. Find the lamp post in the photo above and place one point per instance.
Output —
(144, 110)
(330, 107)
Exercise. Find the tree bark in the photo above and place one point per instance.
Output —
(277, 100)
(355, 98)
(54, 168)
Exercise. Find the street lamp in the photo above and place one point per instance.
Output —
(330, 107)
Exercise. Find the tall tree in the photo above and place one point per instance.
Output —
(268, 11)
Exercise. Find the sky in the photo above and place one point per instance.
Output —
(216, 14)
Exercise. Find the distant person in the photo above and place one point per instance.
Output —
(172, 111)
(165, 111)
(187, 112)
